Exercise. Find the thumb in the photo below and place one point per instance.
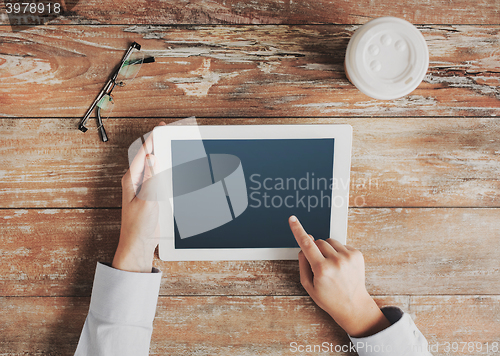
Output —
(149, 167)
(148, 191)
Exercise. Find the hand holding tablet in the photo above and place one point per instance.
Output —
(139, 233)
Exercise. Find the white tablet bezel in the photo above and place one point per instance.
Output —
(163, 136)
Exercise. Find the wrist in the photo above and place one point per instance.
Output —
(365, 319)
(133, 259)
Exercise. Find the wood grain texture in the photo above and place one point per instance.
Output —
(237, 71)
(53, 252)
(41, 326)
(455, 319)
(183, 325)
(425, 188)
(272, 12)
(267, 325)
(213, 325)
(396, 162)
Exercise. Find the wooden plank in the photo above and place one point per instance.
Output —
(54, 252)
(41, 326)
(428, 251)
(183, 325)
(450, 323)
(267, 325)
(264, 325)
(272, 12)
(396, 162)
(249, 325)
(237, 71)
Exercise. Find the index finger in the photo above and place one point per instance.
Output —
(311, 251)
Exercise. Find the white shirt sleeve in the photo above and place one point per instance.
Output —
(121, 313)
(402, 338)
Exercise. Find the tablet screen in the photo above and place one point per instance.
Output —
(283, 177)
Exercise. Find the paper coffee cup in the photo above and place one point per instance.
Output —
(386, 58)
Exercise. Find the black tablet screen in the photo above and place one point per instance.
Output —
(283, 177)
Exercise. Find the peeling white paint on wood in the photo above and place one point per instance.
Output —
(288, 61)
(204, 80)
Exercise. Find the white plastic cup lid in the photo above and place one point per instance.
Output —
(387, 58)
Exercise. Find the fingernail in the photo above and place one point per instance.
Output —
(293, 218)
(150, 160)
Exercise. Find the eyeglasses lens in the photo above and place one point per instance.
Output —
(105, 107)
(130, 68)
(126, 74)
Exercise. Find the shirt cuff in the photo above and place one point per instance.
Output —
(125, 297)
(401, 338)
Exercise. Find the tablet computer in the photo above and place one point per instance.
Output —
(231, 189)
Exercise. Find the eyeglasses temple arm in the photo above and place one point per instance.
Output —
(81, 125)
(104, 136)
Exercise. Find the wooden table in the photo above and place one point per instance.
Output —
(425, 192)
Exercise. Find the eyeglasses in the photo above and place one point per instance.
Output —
(126, 72)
